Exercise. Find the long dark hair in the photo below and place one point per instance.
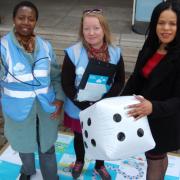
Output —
(152, 40)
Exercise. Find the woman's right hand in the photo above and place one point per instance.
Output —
(59, 105)
(144, 108)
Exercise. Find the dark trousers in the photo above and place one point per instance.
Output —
(80, 151)
(47, 161)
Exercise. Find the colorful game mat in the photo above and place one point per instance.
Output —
(127, 169)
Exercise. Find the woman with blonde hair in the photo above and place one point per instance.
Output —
(94, 46)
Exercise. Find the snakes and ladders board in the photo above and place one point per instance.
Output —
(126, 169)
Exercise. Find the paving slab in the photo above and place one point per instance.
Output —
(64, 15)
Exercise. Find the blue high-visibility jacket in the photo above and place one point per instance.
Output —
(18, 97)
(78, 55)
(22, 103)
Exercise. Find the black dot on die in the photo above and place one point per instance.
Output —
(82, 125)
(140, 132)
(85, 145)
(89, 121)
(121, 136)
(117, 117)
(93, 142)
(86, 133)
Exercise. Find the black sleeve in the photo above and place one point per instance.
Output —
(170, 106)
(131, 86)
(135, 82)
(68, 83)
(119, 80)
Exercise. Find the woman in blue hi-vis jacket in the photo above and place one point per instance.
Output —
(95, 47)
(32, 97)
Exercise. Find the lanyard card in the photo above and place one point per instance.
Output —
(96, 80)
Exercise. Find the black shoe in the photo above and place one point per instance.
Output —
(24, 177)
(103, 173)
(77, 169)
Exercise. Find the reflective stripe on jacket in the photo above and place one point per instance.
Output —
(25, 81)
(78, 55)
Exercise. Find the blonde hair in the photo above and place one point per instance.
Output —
(104, 24)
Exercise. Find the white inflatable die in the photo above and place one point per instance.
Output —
(108, 132)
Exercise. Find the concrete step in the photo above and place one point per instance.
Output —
(130, 44)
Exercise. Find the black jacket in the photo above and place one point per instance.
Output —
(162, 88)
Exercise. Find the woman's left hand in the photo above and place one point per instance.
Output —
(59, 105)
(144, 108)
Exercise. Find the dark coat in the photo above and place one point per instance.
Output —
(162, 88)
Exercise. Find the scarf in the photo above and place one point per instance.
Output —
(101, 54)
(27, 44)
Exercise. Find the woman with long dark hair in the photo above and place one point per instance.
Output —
(156, 78)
